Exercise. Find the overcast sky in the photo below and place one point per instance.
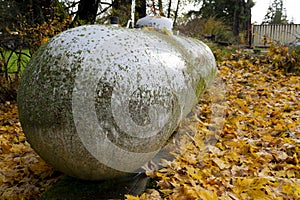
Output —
(261, 6)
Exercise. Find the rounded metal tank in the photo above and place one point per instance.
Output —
(97, 102)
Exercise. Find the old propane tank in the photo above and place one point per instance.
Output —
(98, 102)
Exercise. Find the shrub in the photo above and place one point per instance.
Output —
(199, 27)
(284, 57)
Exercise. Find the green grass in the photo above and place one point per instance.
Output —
(14, 61)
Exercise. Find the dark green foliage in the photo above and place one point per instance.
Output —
(275, 14)
(234, 13)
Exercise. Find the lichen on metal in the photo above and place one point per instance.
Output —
(98, 102)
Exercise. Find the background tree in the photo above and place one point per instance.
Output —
(141, 7)
(18, 18)
(87, 11)
(242, 18)
(169, 9)
(122, 9)
(160, 8)
(275, 13)
(176, 13)
(28, 20)
(234, 13)
(25, 26)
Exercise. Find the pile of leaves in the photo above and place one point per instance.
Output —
(23, 174)
(243, 145)
(256, 154)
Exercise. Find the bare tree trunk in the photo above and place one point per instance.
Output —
(169, 9)
(122, 9)
(160, 8)
(141, 8)
(87, 11)
(176, 13)
(153, 9)
(248, 21)
(237, 18)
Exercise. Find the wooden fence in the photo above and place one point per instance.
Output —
(285, 34)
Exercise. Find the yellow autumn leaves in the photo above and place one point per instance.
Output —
(257, 152)
(251, 152)
(23, 174)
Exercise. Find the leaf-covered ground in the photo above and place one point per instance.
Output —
(254, 155)
(23, 174)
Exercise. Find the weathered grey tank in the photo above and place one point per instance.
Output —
(98, 102)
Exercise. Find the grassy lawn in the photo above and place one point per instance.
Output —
(14, 60)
